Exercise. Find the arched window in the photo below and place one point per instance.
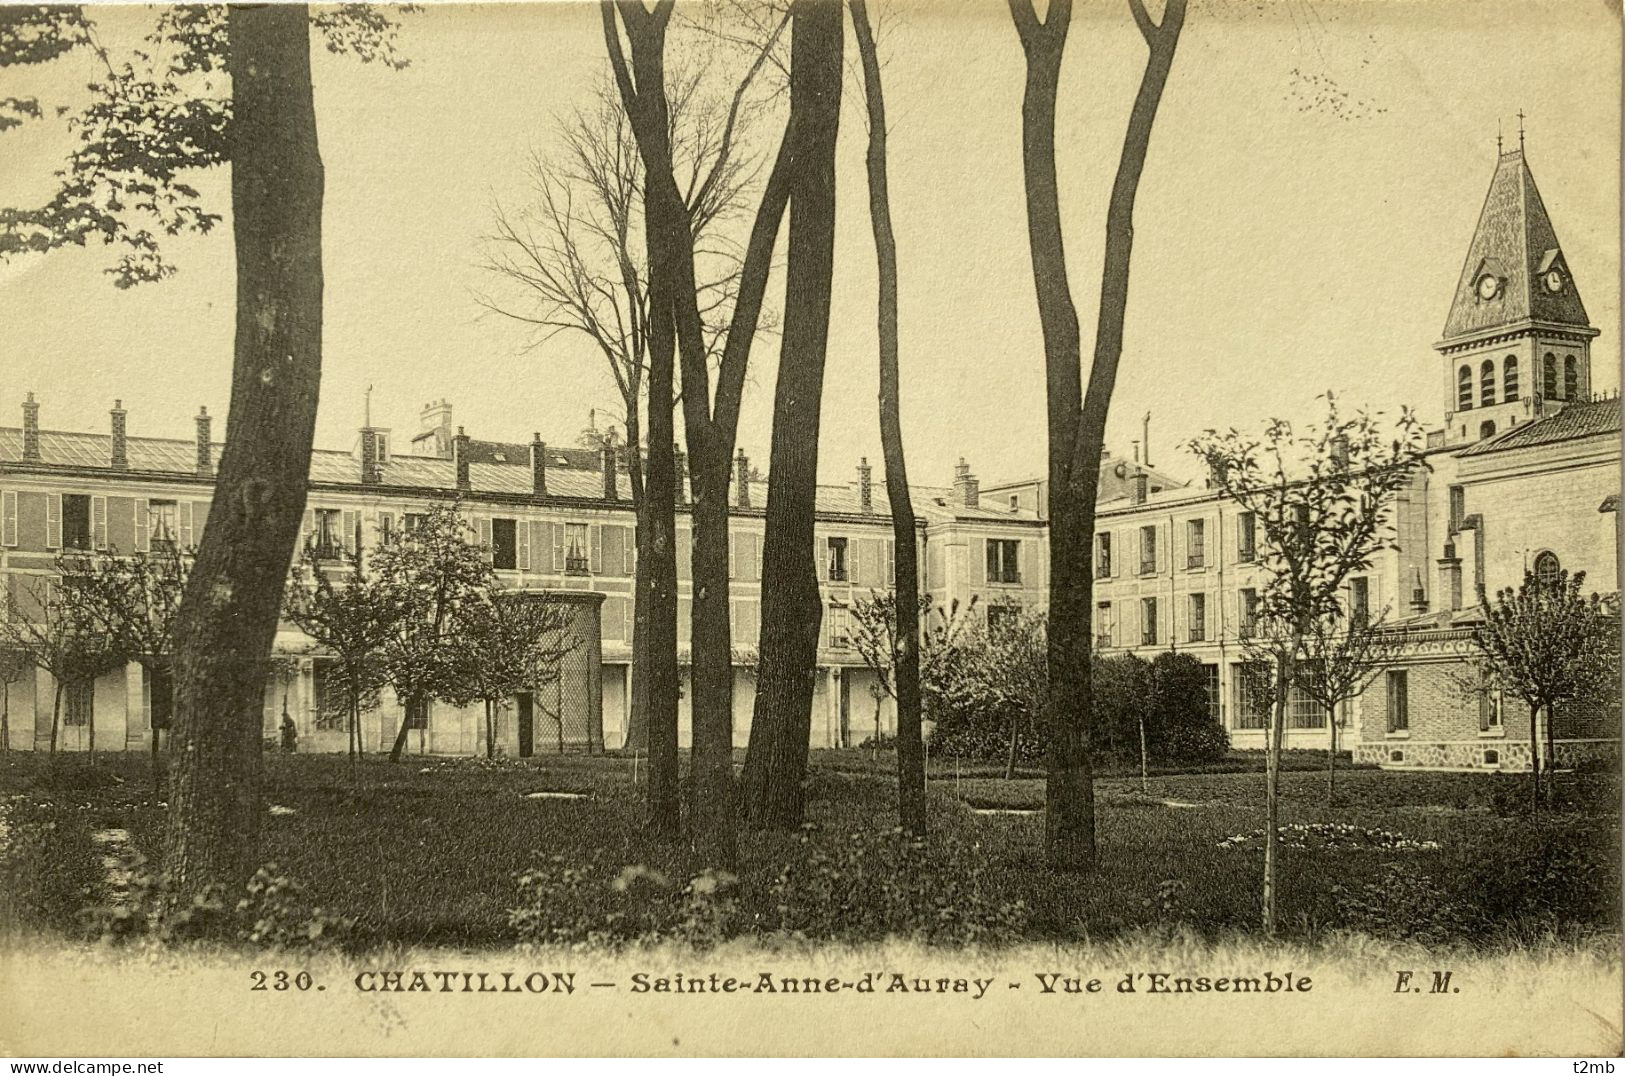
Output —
(1486, 429)
(1547, 569)
(1571, 378)
(1464, 388)
(1549, 376)
(1509, 379)
(1486, 383)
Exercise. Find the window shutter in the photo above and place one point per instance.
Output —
(141, 509)
(891, 563)
(1486, 705)
(855, 559)
(200, 519)
(309, 527)
(98, 522)
(629, 550)
(821, 558)
(1393, 709)
(734, 538)
(184, 511)
(521, 539)
(485, 537)
(595, 549)
(53, 521)
(557, 530)
(386, 526)
(8, 518)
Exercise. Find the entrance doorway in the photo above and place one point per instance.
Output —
(527, 723)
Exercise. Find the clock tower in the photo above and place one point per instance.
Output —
(1517, 342)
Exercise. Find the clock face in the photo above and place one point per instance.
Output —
(1554, 280)
(1489, 286)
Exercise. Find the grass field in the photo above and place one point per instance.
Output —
(428, 852)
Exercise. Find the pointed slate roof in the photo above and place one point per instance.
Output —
(1516, 243)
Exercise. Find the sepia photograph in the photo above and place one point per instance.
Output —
(807, 528)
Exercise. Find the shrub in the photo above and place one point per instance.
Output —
(874, 885)
(583, 906)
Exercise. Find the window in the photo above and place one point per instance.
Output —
(576, 561)
(75, 521)
(1000, 617)
(1486, 383)
(1148, 622)
(1015, 502)
(1003, 564)
(1458, 506)
(1304, 712)
(1464, 389)
(840, 626)
(1492, 757)
(1103, 625)
(1548, 370)
(1103, 555)
(1547, 569)
(1399, 707)
(1250, 699)
(1197, 618)
(1489, 710)
(1196, 543)
(1148, 550)
(411, 521)
(163, 524)
(78, 702)
(1212, 673)
(1360, 598)
(1249, 611)
(1486, 429)
(1571, 378)
(1246, 537)
(417, 714)
(326, 696)
(159, 686)
(1509, 379)
(504, 544)
(836, 559)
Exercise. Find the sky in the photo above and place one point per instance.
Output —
(1313, 182)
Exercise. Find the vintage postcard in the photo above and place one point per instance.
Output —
(802, 527)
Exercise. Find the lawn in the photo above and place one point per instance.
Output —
(429, 852)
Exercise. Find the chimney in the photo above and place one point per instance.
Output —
(1218, 471)
(1145, 435)
(205, 442)
(967, 490)
(680, 471)
(459, 458)
(611, 493)
(1339, 449)
(866, 490)
(742, 478)
(120, 459)
(369, 456)
(30, 429)
(1142, 483)
(436, 421)
(1419, 596)
(538, 465)
(1450, 575)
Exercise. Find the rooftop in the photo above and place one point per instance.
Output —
(1598, 416)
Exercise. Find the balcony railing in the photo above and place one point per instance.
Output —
(576, 565)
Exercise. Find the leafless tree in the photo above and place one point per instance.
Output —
(1077, 421)
(1324, 500)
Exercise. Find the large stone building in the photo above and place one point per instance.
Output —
(1523, 472)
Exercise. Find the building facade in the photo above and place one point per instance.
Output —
(1524, 472)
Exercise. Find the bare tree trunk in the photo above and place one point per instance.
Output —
(5, 716)
(776, 767)
(1076, 434)
(1331, 755)
(1145, 782)
(1010, 752)
(90, 726)
(1551, 752)
(56, 712)
(228, 615)
(1534, 757)
(1272, 788)
(905, 559)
